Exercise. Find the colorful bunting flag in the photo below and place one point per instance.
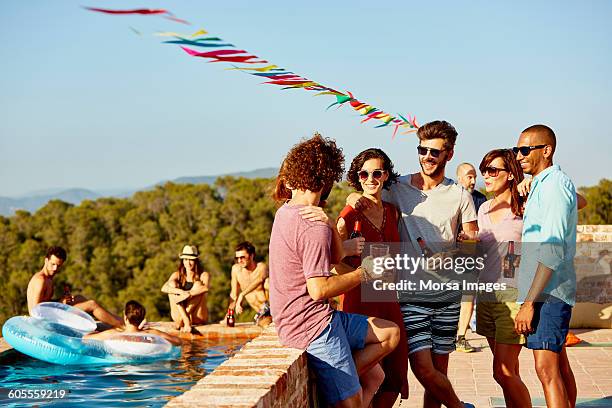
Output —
(274, 74)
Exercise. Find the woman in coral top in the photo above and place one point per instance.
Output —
(370, 172)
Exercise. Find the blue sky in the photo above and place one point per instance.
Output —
(87, 103)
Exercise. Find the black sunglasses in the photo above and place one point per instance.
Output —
(434, 152)
(525, 150)
(376, 174)
(492, 171)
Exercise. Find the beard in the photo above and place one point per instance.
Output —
(436, 170)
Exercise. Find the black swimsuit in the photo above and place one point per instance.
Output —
(188, 286)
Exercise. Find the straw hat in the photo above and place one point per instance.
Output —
(189, 252)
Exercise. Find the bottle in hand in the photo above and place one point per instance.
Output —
(509, 260)
(356, 230)
(425, 250)
(230, 318)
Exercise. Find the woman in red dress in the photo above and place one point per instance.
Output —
(370, 172)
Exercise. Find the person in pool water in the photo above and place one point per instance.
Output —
(134, 319)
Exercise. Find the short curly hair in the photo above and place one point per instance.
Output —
(313, 164)
(353, 174)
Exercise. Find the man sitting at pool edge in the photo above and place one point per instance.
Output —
(133, 318)
(40, 289)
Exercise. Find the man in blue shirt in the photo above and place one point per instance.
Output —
(547, 279)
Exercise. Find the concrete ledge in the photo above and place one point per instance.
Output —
(4, 346)
(263, 374)
(214, 331)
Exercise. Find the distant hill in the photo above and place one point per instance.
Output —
(37, 199)
(259, 173)
(8, 205)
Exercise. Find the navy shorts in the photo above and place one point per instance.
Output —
(330, 356)
(550, 323)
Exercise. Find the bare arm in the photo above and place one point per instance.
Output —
(203, 288)
(321, 288)
(471, 226)
(35, 292)
(351, 247)
(171, 285)
(524, 318)
(341, 228)
(235, 286)
(337, 249)
(172, 339)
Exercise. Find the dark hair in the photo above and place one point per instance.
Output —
(246, 246)
(58, 251)
(513, 166)
(183, 271)
(368, 154)
(439, 129)
(546, 133)
(312, 164)
(134, 312)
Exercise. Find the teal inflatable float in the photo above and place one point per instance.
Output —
(55, 332)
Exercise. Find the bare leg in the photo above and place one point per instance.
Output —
(385, 399)
(505, 372)
(370, 382)
(430, 369)
(91, 306)
(547, 365)
(174, 314)
(465, 315)
(196, 307)
(568, 378)
(382, 338)
(185, 318)
(354, 401)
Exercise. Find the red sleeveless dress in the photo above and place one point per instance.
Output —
(395, 365)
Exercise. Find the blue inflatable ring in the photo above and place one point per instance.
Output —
(51, 341)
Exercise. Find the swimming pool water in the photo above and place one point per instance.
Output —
(120, 385)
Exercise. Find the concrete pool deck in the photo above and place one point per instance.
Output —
(471, 373)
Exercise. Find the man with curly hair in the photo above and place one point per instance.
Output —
(342, 348)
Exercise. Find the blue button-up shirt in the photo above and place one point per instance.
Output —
(549, 234)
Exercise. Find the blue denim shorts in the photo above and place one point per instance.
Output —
(330, 356)
(551, 324)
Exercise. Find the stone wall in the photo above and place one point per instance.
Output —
(593, 265)
(262, 374)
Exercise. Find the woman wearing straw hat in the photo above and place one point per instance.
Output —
(186, 289)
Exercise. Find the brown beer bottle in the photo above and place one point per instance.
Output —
(425, 250)
(509, 268)
(356, 230)
(230, 318)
